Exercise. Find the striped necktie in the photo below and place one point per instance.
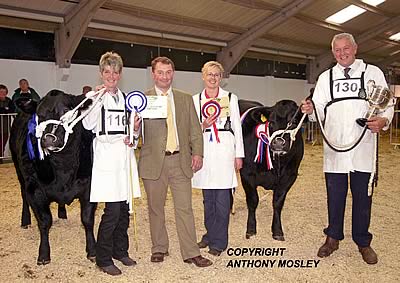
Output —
(346, 73)
(171, 138)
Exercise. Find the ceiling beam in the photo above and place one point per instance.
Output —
(154, 15)
(28, 24)
(230, 55)
(254, 4)
(70, 32)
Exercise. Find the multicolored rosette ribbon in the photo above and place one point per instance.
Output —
(135, 101)
(262, 133)
(212, 108)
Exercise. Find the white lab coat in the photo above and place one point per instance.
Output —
(114, 165)
(218, 171)
(340, 121)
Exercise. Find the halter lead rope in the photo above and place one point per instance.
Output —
(67, 121)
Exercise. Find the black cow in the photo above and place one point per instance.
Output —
(61, 176)
(28, 106)
(286, 156)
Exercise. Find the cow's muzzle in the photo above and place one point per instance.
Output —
(279, 146)
(49, 140)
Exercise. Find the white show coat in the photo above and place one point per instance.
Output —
(112, 172)
(218, 171)
(340, 121)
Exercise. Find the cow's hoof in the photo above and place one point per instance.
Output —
(25, 226)
(278, 238)
(91, 258)
(43, 261)
(250, 234)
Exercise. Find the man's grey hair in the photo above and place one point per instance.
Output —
(343, 35)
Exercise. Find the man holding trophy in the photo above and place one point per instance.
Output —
(342, 98)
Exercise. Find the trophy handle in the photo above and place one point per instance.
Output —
(370, 87)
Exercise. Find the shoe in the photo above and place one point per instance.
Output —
(127, 261)
(158, 257)
(111, 270)
(199, 261)
(202, 244)
(328, 247)
(368, 255)
(214, 252)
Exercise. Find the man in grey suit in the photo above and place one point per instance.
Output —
(172, 151)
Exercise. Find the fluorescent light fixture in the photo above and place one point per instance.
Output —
(345, 14)
(395, 36)
(373, 2)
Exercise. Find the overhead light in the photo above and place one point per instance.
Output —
(395, 36)
(345, 14)
(351, 12)
(373, 2)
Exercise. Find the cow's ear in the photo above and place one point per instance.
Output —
(75, 99)
(260, 115)
(78, 99)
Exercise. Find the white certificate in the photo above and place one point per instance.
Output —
(156, 107)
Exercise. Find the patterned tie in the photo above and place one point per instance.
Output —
(346, 73)
(115, 97)
(171, 138)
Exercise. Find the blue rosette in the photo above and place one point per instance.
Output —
(136, 101)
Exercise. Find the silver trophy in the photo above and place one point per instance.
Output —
(378, 98)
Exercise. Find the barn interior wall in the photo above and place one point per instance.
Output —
(44, 76)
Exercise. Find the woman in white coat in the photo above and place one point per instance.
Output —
(114, 171)
(223, 154)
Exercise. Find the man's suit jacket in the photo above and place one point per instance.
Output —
(190, 138)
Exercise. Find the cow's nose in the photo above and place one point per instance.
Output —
(48, 140)
(278, 144)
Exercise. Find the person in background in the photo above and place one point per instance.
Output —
(86, 89)
(337, 92)
(113, 162)
(223, 154)
(6, 107)
(24, 93)
(169, 157)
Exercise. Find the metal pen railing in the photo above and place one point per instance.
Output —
(6, 121)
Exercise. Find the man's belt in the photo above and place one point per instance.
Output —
(168, 153)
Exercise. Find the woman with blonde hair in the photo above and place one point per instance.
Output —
(223, 154)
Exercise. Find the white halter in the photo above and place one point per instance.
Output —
(292, 132)
(67, 121)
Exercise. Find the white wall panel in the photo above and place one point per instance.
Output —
(44, 76)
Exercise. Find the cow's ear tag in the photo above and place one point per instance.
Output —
(263, 119)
